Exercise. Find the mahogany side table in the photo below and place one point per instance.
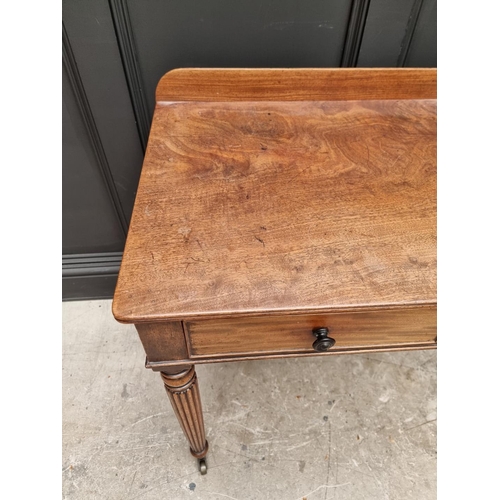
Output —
(281, 212)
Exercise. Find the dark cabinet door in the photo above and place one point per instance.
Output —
(115, 51)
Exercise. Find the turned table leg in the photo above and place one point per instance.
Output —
(182, 390)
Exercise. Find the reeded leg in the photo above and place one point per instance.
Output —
(182, 390)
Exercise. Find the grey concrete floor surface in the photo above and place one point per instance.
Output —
(338, 427)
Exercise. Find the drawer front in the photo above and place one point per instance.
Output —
(270, 335)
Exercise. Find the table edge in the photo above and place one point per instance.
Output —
(200, 316)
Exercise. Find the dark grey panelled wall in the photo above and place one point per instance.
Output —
(115, 51)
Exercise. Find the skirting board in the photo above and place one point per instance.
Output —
(90, 276)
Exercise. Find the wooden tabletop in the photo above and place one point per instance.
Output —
(250, 205)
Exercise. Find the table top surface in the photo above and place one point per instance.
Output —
(253, 205)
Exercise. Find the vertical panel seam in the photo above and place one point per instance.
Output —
(92, 130)
(354, 33)
(126, 44)
(410, 30)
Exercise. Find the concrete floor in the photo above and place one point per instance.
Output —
(340, 427)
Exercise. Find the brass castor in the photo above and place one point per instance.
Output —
(202, 465)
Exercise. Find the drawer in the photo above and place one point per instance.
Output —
(293, 333)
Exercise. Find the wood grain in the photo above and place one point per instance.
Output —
(163, 341)
(182, 390)
(177, 365)
(342, 84)
(293, 333)
(278, 207)
(275, 201)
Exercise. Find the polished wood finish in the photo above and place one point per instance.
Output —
(163, 340)
(317, 84)
(294, 333)
(176, 365)
(273, 202)
(282, 207)
(182, 390)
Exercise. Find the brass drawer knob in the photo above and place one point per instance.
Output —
(322, 342)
